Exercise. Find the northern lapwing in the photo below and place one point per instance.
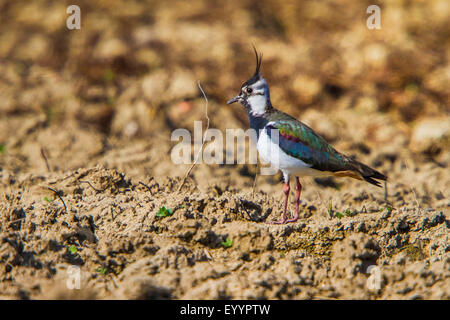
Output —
(291, 146)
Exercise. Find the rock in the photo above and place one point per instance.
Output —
(431, 135)
(182, 86)
(34, 49)
(355, 254)
(154, 85)
(375, 54)
(142, 287)
(149, 57)
(110, 48)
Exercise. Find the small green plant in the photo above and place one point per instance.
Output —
(108, 75)
(228, 243)
(2, 148)
(46, 199)
(388, 209)
(350, 213)
(282, 253)
(330, 209)
(50, 114)
(73, 250)
(164, 212)
(412, 87)
(111, 101)
(337, 214)
(102, 270)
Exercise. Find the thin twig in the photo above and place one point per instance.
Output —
(412, 188)
(385, 193)
(256, 178)
(84, 181)
(45, 159)
(204, 138)
(11, 203)
(8, 215)
(323, 204)
(11, 222)
(59, 196)
(415, 198)
(146, 186)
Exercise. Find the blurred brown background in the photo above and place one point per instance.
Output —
(129, 75)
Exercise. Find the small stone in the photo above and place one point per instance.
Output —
(430, 133)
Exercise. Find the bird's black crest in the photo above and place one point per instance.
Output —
(255, 76)
(258, 61)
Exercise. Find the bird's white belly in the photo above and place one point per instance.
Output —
(271, 153)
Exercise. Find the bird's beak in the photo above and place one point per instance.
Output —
(235, 99)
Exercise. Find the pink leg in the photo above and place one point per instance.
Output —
(286, 191)
(298, 192)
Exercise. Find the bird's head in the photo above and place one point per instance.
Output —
(254, 94)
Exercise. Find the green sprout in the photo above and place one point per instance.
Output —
(412, 87)
(73, 250)
(110, 101)
(330, 209)
(2, 148)
(228, 243)
(108, 75)
(102, 270)
(389, 209)
(46, 199)
(339, 215)
(350, 213)
(164, 212)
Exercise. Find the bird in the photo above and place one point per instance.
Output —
(291, 146)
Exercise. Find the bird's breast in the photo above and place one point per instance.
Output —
(270, 152)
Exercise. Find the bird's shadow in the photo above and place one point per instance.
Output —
(252, 211)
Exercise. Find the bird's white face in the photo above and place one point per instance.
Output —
(254, 96)
(258, 98)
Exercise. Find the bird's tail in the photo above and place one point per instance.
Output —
(360, 171)
(367, 173)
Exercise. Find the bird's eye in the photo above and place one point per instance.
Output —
(249, 90)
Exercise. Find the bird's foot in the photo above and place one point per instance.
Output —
(284, 221)
(291, 220)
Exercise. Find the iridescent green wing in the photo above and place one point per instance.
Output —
(300, 141)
